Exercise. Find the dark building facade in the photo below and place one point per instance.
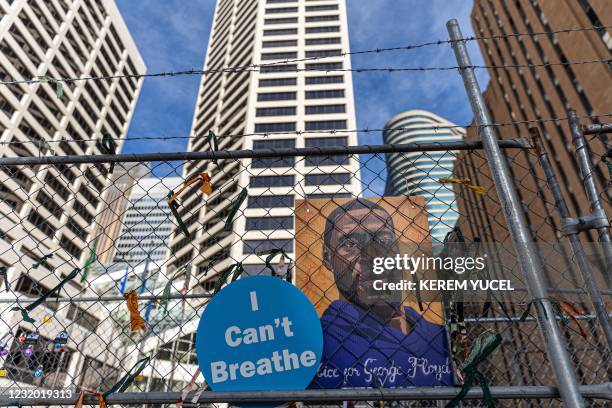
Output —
(539, 93)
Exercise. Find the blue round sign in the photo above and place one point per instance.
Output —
(259, 333)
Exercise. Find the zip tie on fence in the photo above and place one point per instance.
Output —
(213, 143)
(36, 264)
(90, 260)
(125, 381)
(4, 273)
(188, 388)
(25, 310)
(81, 399)
(465, 182)
(59, 88)
(239, 200)
(174, 205)
(484, 345)
(236, 270)
(560, 306)
(136, 321)
(108, 146)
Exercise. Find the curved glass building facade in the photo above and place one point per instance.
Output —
(418, 173)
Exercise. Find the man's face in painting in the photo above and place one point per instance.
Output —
(358, 236)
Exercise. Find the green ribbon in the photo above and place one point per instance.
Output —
(108, 146)
(213, 143)
(90, 260)
(484, 345)
(605, 157)
(168, 289)
(174, 205)
(239, 200)
(128, 378)
(40, 300)
(59, 89)
(237, 269)
(35, 265)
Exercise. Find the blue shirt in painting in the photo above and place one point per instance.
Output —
(360, 351)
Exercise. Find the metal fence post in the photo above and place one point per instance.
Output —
(586, 172)
(585, 267)
(525, 248)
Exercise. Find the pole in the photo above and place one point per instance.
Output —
(583, 264)
(524, 246)
(586, 172)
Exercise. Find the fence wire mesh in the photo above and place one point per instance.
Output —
(317, 221)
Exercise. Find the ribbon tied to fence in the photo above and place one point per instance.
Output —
(465, 182)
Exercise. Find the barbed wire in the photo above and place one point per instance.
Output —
(322, 132)
(257, 67)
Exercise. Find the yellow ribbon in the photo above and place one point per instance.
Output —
(136, 321)
(206, 186)
(465, 182)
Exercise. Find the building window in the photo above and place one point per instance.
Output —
(315, 19)
(280, 1)
(341, 159)
(268, 223)
(322, 8)
(276, 96)
(272, 201)
(282, 10)
(272, 181)
(278, 56)
(275, 127)
(329, 29)
(288, 20)
(323, 53)
(285, 43)
(83, 318)
(278, 82)
(327, 179)
(281, 111)
(323, 41)
(253, 246)
(332, 79)
(326, 125)
(325, 66)
(284, 31)
(325, 94)
(325, 109)
(270, 69)
(269, 162)
(332, 195)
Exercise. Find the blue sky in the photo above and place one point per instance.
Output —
(173, 35)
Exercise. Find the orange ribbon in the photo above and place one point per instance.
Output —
(136, 321)
(206, 186)
(572, 311)
(81, 399)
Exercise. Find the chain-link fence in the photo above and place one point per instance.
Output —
(109, 266)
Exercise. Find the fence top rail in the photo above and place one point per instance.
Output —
(519, 143)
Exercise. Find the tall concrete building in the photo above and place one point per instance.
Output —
(109, 223)
(51, 209)
(147, 223)
(279, 99)
(540, 93)
(418, 173)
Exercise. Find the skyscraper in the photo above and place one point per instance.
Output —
(418, 173)
(147, 223)
(278, 99)
(51, 209)
(540, 93)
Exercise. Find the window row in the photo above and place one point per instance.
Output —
(291, 96)
(329, 179)
(292, 110)
(294, 43)
(318, 80)
(310, 125)
(294, 31)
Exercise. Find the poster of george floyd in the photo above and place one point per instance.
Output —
(371, 338)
